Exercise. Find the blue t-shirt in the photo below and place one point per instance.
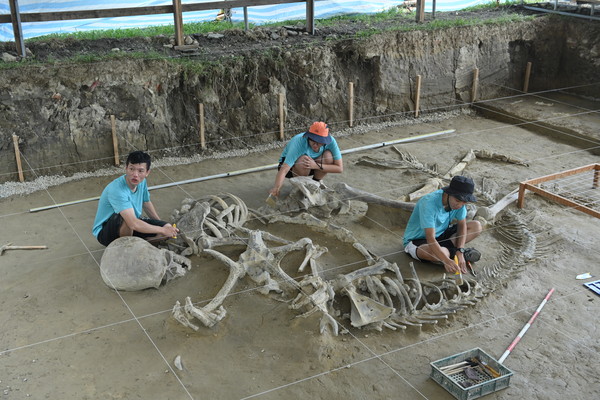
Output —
(117, 197)
(298, 146)
(429, 212)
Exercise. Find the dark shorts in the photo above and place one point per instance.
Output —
(112, 226)
(290, 174)
(443, 240)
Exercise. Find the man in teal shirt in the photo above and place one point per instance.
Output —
(437, 230)
(122, 202)
(312, 153)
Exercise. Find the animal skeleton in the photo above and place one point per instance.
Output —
(380, 296)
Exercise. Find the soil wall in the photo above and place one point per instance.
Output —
(61, 112)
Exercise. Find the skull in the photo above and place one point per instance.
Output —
(131, 263)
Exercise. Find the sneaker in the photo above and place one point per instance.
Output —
(472, 255)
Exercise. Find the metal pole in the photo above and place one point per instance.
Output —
(256, 169)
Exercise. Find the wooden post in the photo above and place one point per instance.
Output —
(350, 103)
(596, 177)
(418, 95)
(420, 11)
(18, 157)
(15, 15)
(475, 84)
(178, 17)
(527, 74)
(201, 123)
(281, 121)
(310, 17)
(115, 141)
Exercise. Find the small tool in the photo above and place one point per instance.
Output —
(486, 367)
(9, 247)
(271, 200)
(471, 269)
(460, 279)
(175, 226)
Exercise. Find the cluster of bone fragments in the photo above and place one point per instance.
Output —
(380, 296)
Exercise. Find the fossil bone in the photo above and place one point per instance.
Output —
(131, 263)
(379, 296)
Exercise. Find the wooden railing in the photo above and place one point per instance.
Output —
(177, 9)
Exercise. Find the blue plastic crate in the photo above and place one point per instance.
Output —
(485, 384)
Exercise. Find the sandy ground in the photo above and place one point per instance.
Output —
(68, 336)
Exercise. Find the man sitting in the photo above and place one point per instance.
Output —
(122, 202)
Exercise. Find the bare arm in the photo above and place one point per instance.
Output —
(461, 237)
(279, 178)
(328, 165)
(150, 210)
(337, 167)
(435, 248)
(136, 224)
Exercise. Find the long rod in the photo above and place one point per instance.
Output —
(254, 169)
(527, 325)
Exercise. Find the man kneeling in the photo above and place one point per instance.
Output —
(429, 235)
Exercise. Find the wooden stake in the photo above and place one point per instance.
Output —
(18, 157)
(310, 17)
(113, 125)
(17, 28)
(281, 121)
(475, 84)
(350, 103)
(418, 95)
(178, 20)
(527, 74)
(420, 17)
(201, 124)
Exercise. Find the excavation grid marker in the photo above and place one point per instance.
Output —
(578, 188)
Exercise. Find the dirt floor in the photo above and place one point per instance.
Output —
(66, 335)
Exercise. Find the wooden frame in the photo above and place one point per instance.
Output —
(529, 185)
(177, 9)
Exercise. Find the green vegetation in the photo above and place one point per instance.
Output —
(402, 20)
(166, 30)
(444, 24)
(496, 4)
(217, 26)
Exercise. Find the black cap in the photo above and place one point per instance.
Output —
(462, 188)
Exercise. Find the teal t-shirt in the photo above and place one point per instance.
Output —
(429, 212)
(117, 197)
(298, 146)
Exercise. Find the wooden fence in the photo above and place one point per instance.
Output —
(177, 9)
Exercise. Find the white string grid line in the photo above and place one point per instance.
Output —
(240, 138)
(136, 318)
